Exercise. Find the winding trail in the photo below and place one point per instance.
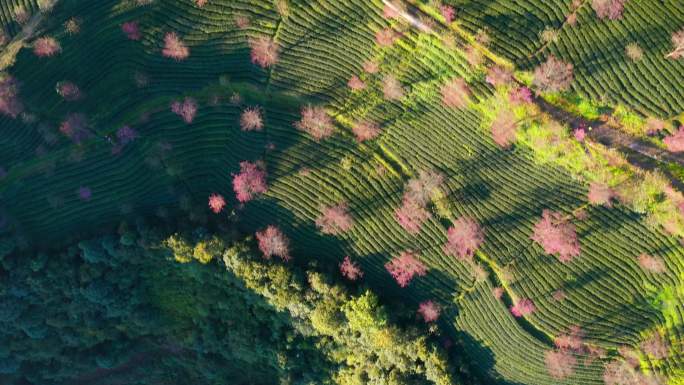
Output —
(639, 153)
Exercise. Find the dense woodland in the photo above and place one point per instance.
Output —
(141, 307)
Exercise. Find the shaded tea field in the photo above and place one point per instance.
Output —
(173, 165)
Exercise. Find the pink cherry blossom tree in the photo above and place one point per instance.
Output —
(174, 47)
(187, 109)
(429, 310)
(523, 307)
(560, 363)
(572, 340)
(609, 9)
(126, 135)
(553, 75)
(504, 128)
(10, 104)
(132, 30)
(675, 142)
(600, 194)
(272, 242)
(68, 90)
(498, 76)
(365, 130)
(370, 67)
(355, 83)
(520, 95)
(75, 127)
(249, 182)
(350, 270)
(251, 119)
(656, 346)
(405, 267)
(557, 236)
(265, 52)
(464, 237)
(411, 215)
(216, 203)
(651, 264)
(678, 45)
(456, 93)
(335, 219)
(392, 88)
(385, 37)
(422, 188)
(448, 13)
(46, 46)
(316, 122)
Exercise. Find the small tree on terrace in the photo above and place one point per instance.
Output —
(411, 215)
(504, 128)
(464, 237)
(365, 130)
(429, 311)
(392, 88)
(132, 30)
(610, 9)
(350, 270)
(335, 219)
(600, 194)
(385, 37)
(10, 104)
(68, 90)
(553, 75)
(523, 307)
(249, 182)
(678, 43)
(316, 122)
(557, 236)
(75, 127)
(675, 142)
(251, 119)
(272, 242)
(455, 93)
(560, 363)
(46, 46)
(421, 189)
(185, 109)
(174, 47)
(264, 51)
(404, 267)
(216, 203)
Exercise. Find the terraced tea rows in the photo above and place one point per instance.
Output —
(595, 47)
(323, 43)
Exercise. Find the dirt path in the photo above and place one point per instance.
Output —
(639, 153)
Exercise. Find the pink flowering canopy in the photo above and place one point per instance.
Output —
(350, 270)
(405, 267)
(264, 51)
(249, 182)
(557, 236)
(523, 307)
(675, 142)
(187, 109)
(560, 363)
(429, 311)
(464, 237)
(216, 203)
(272, 242)
(174, 47)
(335, 219)
(411, 215)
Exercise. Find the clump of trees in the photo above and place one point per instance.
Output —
(174, 47)
(417, 194)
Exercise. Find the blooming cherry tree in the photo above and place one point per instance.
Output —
(404, 267)
(350, 270)
(249, 182)
(556, 236)
(272, 242)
